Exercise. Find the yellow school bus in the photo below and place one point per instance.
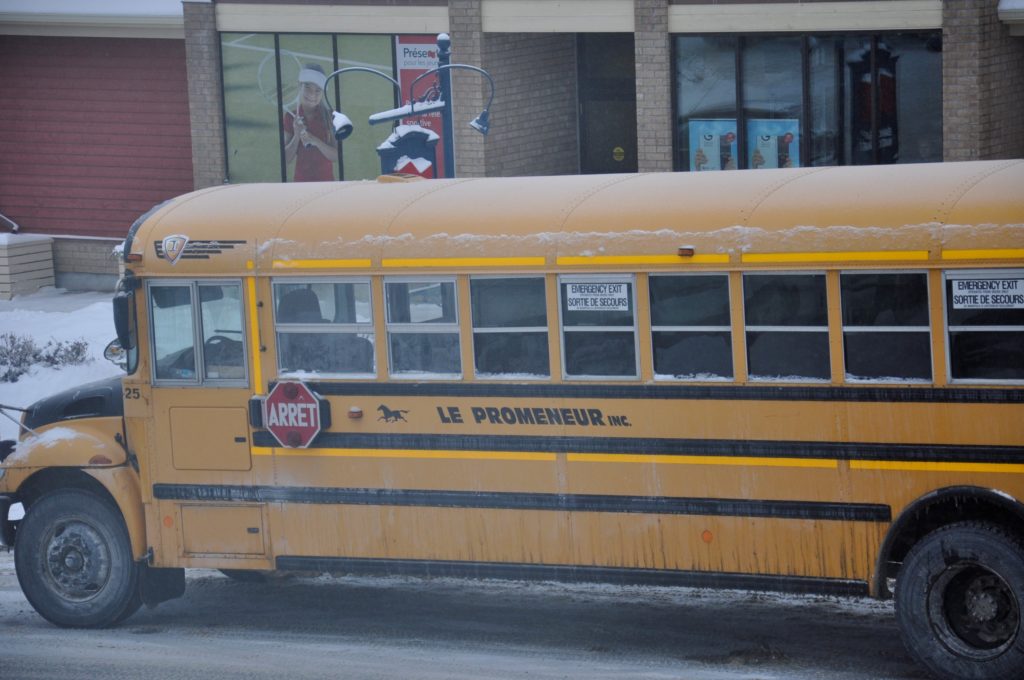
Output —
(807, 380)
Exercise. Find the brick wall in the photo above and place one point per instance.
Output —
(202, 61)
(85, 264)
(466, 31)
(535, 128)
(95, 131)
(653, 86)
(982, 83)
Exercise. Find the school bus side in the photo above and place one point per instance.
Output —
(617, 379)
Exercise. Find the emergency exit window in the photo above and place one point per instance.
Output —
(598, 326)
(985, 317)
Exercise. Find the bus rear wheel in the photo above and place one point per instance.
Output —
(74, 561)
(959, 600)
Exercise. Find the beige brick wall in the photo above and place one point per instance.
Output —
(468, 89)
(653, 86)
(85, 256)
(982, 83)
(535, 122)
(202, 60)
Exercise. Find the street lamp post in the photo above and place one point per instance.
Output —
(343, 125)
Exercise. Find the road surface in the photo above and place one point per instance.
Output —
(451, 629)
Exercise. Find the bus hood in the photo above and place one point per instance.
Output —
(93, 400)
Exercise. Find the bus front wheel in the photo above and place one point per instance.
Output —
(958, 602)
(74, 561)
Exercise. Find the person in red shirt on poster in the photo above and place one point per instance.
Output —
(308, 138)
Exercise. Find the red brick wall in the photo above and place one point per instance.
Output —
(95, 131)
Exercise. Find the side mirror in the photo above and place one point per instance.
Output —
(342, 126)
(123, 319)
(115, 354)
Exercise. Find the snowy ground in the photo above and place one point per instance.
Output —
(55, 314)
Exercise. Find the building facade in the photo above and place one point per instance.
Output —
(140, 101)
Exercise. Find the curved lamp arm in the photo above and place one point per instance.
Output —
(482, 122)
(447, 67)
(342, 125)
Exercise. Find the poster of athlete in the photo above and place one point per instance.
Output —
(414, 56)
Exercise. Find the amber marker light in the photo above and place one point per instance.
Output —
(355, 412)
(99, 459)
(133, 257)
(686, 251)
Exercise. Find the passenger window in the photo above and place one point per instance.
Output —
(324, 327)
(690, 328)
(598, 326)
(423, 328)
(786, 326)
(985, 316)
(510, 327)
(173, 332)
(886, 335)
(221, 313)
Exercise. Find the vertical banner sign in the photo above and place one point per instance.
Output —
(414, 56)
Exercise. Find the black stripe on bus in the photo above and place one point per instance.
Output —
(494, 500)
(693, 392)
(939, 453)
(572, 574)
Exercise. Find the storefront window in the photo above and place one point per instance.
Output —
(706, 102)
(772, 102)
(278, 115)
(808, 100)
(250, 107)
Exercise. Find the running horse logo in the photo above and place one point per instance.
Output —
(391, 415)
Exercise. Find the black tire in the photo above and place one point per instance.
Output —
(74, 561)
(959, 599)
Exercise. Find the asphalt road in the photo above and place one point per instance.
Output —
(376, 628)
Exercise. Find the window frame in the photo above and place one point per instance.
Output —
(368, 328)
(844, 329)
(747, 329)
(453, 328)
(197, 334)
(974, 273)
(473, 330)
(616, 277)
(692, 329)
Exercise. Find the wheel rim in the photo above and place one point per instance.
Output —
(975, 610)
(77, 561)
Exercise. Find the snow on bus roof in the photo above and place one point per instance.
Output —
(955, 205)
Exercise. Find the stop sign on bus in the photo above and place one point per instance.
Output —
(291, 412)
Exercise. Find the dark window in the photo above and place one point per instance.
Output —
(423, 328)
(324, 327)
(787, 326)
(885, 326)
(510, 327)
(985, 317)
(690, 327)
(598, 327)
(807, 100)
